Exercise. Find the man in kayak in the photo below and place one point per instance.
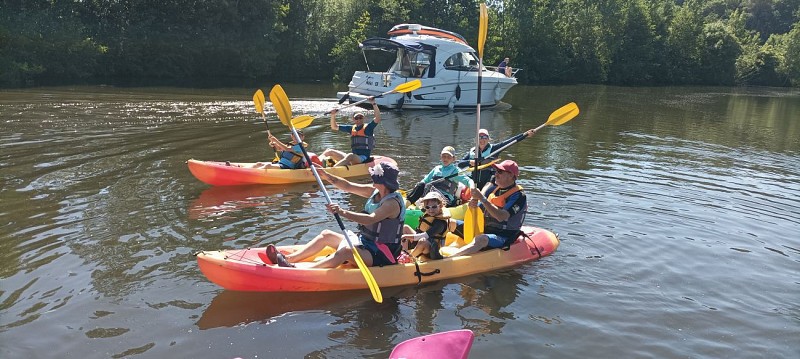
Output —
(291, 155)
(443, 178)
(504, 205)
(380, 224)
(362, 138)
(486, 148)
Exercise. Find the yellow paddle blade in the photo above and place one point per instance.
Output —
(473, 223)
(408, 86)
(281, 103)
(373, 285)
(302, 121)
(258, 100)
(563, 114)
(483, 28)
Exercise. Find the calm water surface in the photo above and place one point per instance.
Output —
(678, 210)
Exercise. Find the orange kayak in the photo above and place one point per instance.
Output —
(238, 173)
(242, 270)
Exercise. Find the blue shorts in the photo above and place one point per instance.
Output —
(363, 158)
(495, 240)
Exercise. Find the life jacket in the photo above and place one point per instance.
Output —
(359, 140)
(387, 230)
(293, 159)
(426, 221)
(512, 223)
(484, 155)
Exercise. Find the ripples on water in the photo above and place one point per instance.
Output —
(678, 226)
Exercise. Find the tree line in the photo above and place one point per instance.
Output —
(241, 42)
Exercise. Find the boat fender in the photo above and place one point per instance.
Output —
(452, 103)
(497, 95)
(458, 92)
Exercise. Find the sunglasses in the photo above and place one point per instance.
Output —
(436, 206)
(483, 137)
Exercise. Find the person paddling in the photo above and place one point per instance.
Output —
(380, 224)
(504, 207)
(443, 178)
(362, 138)
(486, 148)
(290, 155)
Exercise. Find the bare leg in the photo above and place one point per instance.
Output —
(266, 165)
(335, 155)
(350, 159)
(326, 238)
(423, 247)
(342, 255)
(477, 244)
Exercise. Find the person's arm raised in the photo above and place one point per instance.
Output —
(334, 125)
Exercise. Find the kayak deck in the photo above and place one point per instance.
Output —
(242, 270)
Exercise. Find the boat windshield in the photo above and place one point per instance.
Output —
(411, 64)
(462, 61)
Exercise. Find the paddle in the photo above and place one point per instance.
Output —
(401, 88)
(473, 217)
(259, 100)
(282, 101)
(284, 109)
(559, 117)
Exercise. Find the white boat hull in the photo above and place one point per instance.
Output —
(442, 92)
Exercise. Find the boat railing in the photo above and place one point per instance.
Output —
(514, 70)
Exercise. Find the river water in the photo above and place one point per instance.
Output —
(678, 211)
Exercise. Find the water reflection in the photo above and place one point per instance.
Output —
(228, 200)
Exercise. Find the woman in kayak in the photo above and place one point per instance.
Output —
(380, 224)
(362, 138)
(433, 227)
(443, 178)
(486, 148)
(291, 155)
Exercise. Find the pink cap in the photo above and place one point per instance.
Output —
(509, 166)
(484, 132)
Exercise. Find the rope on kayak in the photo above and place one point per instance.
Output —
(534, 245)
(419, 273)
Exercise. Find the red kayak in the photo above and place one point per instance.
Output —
(454, 344)
(238, 173)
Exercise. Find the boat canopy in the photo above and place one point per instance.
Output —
(413, 58)
(377, 43)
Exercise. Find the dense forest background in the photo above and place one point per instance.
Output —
(239, 42)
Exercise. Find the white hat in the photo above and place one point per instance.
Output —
(432, 195)
(449, 150)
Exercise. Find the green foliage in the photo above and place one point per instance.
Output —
(625, 42)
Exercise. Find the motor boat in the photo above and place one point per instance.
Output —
(442, 60)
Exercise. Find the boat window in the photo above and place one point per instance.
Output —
(463, 61)
(411, 64)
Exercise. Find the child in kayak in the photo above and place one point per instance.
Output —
(362, 138)
(443, 178)
(291, 155)
(434, 225)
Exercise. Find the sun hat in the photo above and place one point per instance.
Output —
(385, 174)
(484, 132)
(508, 166)
(449, 150)
(432, 195)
